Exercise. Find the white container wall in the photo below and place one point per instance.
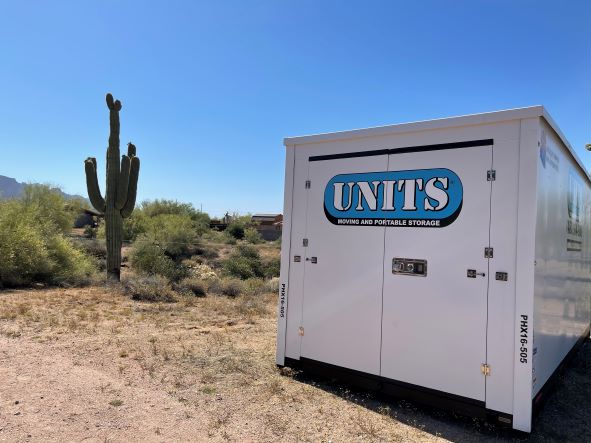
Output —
(445, 261)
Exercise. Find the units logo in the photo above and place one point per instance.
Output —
(416, 198)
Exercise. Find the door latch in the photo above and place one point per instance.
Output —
(409, 266)
(313, 260)
(471, 273)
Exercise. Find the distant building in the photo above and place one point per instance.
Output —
(268, 225)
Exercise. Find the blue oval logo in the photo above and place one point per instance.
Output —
(430, 198)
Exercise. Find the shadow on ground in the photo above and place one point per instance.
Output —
(565, 417)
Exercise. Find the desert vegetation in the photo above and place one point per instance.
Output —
(34, 243)
(169, 250)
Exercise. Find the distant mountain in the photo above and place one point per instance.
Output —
(10, 188)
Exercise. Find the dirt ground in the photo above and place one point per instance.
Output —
(92, 365)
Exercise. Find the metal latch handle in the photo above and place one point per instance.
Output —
(472, 273)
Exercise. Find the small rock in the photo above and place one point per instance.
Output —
(16, 402)
(17, 413)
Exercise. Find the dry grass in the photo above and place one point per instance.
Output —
(214, 358)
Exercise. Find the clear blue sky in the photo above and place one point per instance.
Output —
(209, 89)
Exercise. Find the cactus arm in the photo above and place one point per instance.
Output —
(123, 182)
(134, 173)
(131, 151)
(114, 108)
(94, 192)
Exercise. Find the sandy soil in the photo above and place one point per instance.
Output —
(92, 365)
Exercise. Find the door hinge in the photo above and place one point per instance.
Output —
(491, 175)
(305, 243)
(308, 184)
(488, 252)
(301, 331)
(485, 369)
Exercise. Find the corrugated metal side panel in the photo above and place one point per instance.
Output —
(562, 297)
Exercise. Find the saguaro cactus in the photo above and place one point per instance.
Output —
(121, 189)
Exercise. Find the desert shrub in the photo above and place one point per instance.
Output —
(214, 286)
(207, 252)
(244, 220)
(134, 226)
(272, 267)
(251, 307)
(153, 288)
(89, 232)
(151, 216)
(244, 262)
(149, 258)
(215, 236)
(236, 230)
(254, 286)
(253, 236)
(229, 240)
(32, 243)
(159, 207)
(272, 285)
(23, 252)
(174, 233)
(71, 266)
(192, 286)
(200, 220)
(93, 247)
(232, 287)
(46, 206)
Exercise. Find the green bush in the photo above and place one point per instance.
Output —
(47, 207)
(149, 288)
(174, 233)
(159, 207)
(32, 243)
(151, 216)
(134, 226)
(236, 230)
(200, 220)
(253, 236)
(71, 267)
(272, 267)
(149, 258)
(244, 262)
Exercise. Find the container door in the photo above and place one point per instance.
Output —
(342, 305)
(436, 273)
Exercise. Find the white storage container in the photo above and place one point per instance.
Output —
(445, 261)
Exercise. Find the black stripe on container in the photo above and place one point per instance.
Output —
(405, 150)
